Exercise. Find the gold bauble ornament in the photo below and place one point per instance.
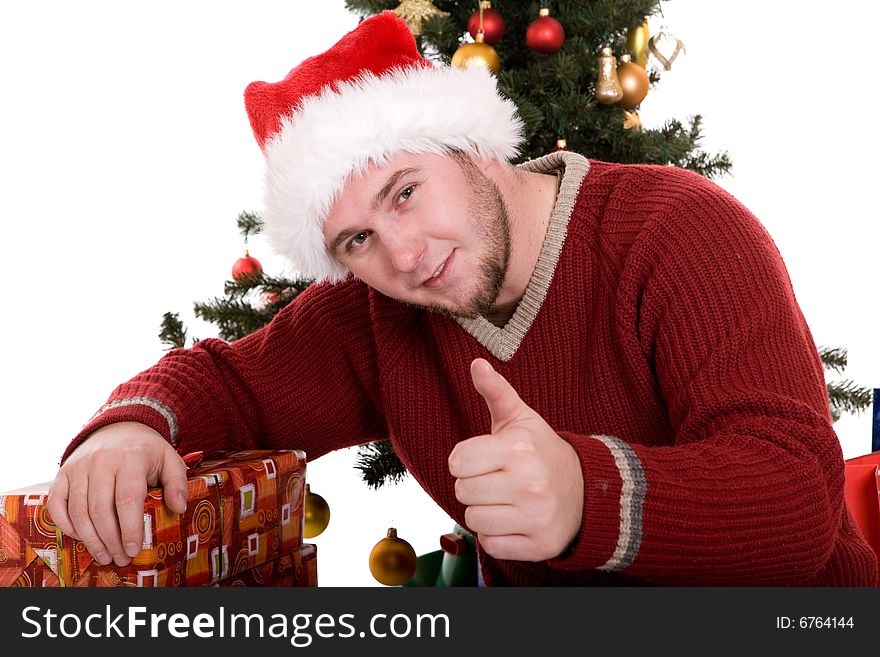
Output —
(634, 82)
(478, 51)
(637, 44)
(393, 560)
(415, 12)
(316, 516)
(608, 89)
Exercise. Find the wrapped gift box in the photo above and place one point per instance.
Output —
(862, 491)
(244, 509)
(299, 568)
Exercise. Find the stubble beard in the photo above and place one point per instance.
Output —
(490, 221)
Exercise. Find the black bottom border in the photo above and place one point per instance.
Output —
(435, 621)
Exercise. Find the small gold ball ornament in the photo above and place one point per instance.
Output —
(634, 82)
(393, 560)
(316, 516)
(480, 52)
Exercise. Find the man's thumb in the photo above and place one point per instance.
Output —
(505, 405)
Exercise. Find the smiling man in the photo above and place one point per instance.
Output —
(600, 370)
(438, 232)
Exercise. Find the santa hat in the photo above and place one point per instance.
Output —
(368, 97)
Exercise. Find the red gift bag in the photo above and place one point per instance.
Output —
(862, 491)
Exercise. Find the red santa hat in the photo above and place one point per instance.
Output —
(368, 97)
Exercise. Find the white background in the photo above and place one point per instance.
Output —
(126, 156)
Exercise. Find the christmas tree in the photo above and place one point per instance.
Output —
(577, 76)
(556, 92)
(251, 299)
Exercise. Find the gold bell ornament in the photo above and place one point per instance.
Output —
(480, 52)
(608, 89)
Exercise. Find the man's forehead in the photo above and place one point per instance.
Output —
(380, 170)
(361, 187)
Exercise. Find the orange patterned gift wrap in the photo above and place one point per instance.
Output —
(244, 509)
(299, 568)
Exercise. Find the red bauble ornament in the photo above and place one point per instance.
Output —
(246, 266)
(493, 25)
(545, 34)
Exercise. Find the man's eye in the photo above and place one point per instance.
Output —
(406, 193)
(356, 241)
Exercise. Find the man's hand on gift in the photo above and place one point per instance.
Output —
(522, 484)
(98, 494)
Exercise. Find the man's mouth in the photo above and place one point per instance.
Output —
(439, 276)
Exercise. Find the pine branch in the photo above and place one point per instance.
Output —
(238, 288)
(379, 464)
(172, 332)
(234, 318)
(847, 397)
(365, 8)
(833, 358)
(249, 224)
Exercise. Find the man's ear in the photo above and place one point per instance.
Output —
(488, 165)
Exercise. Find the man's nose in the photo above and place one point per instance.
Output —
(406, 251)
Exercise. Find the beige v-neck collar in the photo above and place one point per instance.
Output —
(503, 342)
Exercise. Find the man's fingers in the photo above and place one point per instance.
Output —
(102, 509)
(492, 488)
(515, 547)
(78, 511)
(131, 491)
(476, 456)
(57, 505)
(172, 478)
(505, 405)
(497, 520)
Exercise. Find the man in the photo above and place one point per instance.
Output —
(599, 370)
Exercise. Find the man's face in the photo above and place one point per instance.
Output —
(429, 230)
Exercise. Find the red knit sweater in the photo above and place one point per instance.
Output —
(666, 346)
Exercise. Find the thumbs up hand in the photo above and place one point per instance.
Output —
(522, 484)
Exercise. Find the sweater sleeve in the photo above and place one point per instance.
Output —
(751, 490)
(269, 389)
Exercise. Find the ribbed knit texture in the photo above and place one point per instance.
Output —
(667, 348)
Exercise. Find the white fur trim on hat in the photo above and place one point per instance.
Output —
(340, 132)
